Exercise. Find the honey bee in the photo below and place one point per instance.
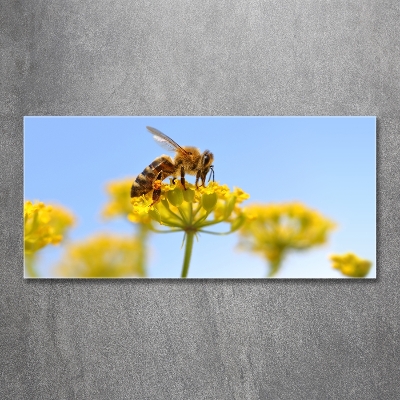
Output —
(187, 160)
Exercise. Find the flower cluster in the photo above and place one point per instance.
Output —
(102, 256)
(273, 230)
(351, 265)
(44, 224)
(192, 209)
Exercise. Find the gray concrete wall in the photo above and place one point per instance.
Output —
(199, 339)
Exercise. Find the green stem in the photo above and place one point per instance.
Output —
(191, 213)
(177, 216)
(273, 268)
(188, 253)
(216, 233)
(30, 266)
(196, 211)
(183, 216)
(200, 222)
(143, 234)
(275, 265)
(170, 231)
(210, 222)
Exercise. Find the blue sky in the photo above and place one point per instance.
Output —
(328, 163)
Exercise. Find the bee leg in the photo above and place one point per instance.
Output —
(183, 177)
(203, 179)
(157, 189)
(197, 179)
(211, 173)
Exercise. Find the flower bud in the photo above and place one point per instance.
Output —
(208, 201)
(175, 197)
(229, 206)
(188, 195)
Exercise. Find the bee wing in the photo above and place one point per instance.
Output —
(165, 141)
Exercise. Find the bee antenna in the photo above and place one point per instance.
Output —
(212, 172)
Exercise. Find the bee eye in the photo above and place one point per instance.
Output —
(189, 153)
(206, 159)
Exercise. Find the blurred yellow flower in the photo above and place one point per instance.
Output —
(44, 224)
(274, 229)
(119, 204)
(351, 265)
(102, 256)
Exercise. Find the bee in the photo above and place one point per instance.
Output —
(187, 160)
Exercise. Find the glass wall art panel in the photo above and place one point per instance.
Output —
(200, 197)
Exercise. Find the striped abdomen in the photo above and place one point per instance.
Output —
(144, 181)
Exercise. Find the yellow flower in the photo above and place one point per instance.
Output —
(351, 265)
(102, 256)
(192, 209)
(119, 204)
(274, 229)
(44, 224)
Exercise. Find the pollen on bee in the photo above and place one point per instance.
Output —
(157, 185)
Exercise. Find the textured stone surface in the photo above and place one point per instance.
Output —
(199, 339)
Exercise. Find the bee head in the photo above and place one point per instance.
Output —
(207, 159)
